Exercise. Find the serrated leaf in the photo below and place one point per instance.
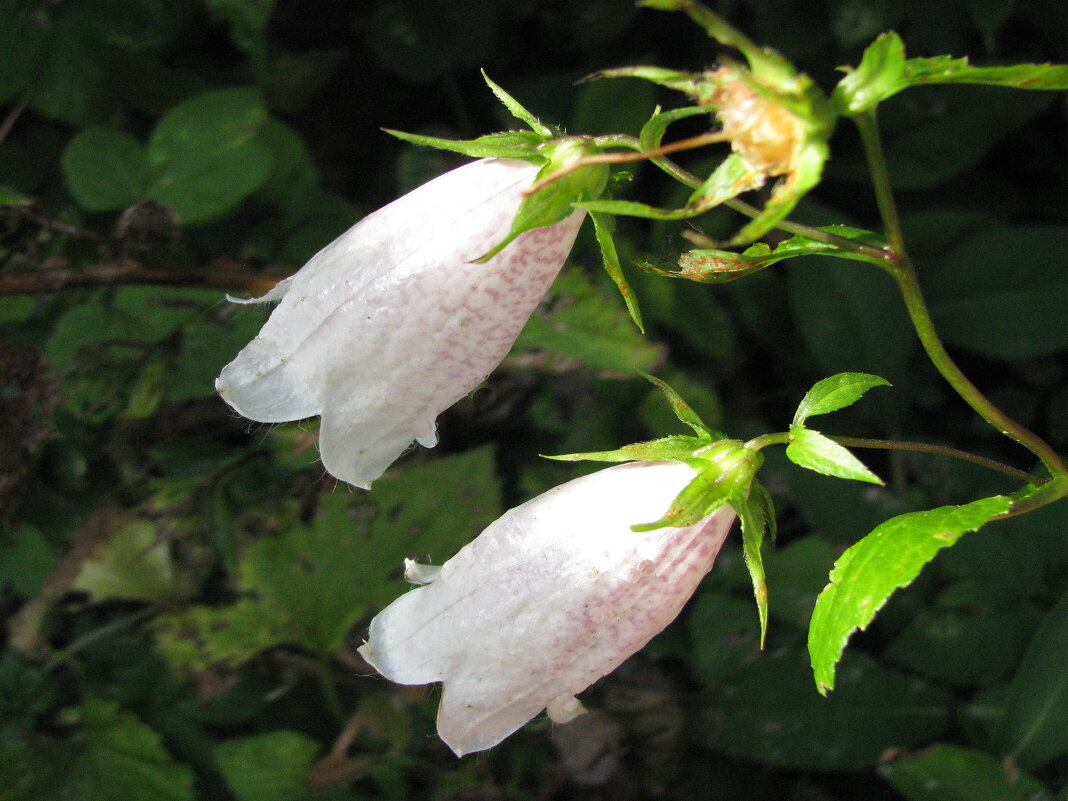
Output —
(888, 558)
(751, 512)
(118, 758)
(580, 324)
(1033, 730)
(267, 767)
(946, 772)
(884, 71)
(309, 585)
(504, 145)
(105, 169)
(835, 392)
(814, 451)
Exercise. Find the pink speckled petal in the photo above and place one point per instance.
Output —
(550, 597)
(392, 322)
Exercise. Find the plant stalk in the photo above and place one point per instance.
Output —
(903, 272)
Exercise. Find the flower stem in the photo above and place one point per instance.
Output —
(937, 450)
(903, 272)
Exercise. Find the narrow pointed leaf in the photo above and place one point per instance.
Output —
(884, 71)
(678, 448)
(504, 145)
(673, 79)
(812, 450)
(702, 496)
(516, 109)
(870, 571)
(711, 266)
(751, 513)
(603, 226)
(836, 392)
(682, 409)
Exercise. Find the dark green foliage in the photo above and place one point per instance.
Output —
(184, 591)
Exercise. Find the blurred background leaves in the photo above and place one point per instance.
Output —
(184, 592)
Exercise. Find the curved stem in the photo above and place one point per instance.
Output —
(937, 450)
(903, 272)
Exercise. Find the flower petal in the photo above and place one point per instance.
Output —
(392, 323)
(549, 598)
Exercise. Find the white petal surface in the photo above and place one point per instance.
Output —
(549, 598)
(391, 323)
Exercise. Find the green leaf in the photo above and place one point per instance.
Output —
(105, 169)
(1033, 730)
(878, 76)
(813, 450)
(516, 109)
(966, 647)
(947, 772)
(504, 145)
(711, 266)
(582, 324)
(944, 69)
(204, 154)
(867, 574)
(753, 511)
(1003, 291)
(835, 392)
(309, 585)
(768, 713)
(603, 226)
(677, 447)
(113, 756)
(884, 71)
(134, 565)
(681, 408)
(26, 559)
(267, 767)
(730, 179)
(701, 497)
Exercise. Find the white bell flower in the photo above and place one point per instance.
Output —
(392, 322)
(549, 598)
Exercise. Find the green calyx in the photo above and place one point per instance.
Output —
(560, 184)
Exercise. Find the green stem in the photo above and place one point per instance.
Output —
(689, 179)
(903, 272)
(937, 450)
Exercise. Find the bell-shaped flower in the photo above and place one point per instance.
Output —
(549, 598)
(395, 321)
